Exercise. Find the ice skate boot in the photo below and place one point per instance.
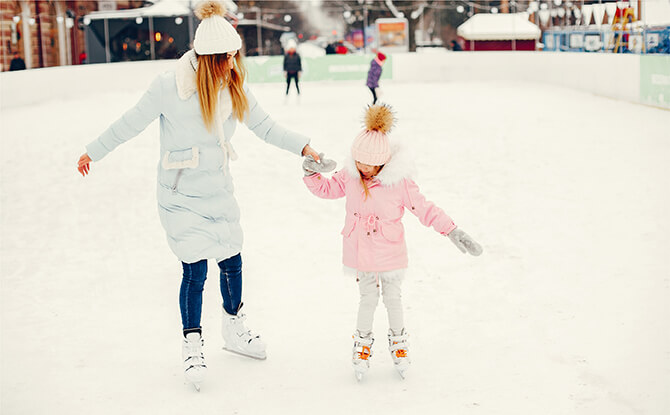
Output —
(241, 340)
(362, 352)
(399, 348)
(194, 360)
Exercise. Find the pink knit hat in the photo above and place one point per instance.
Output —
(371, 146)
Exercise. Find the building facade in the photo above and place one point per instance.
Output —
(48, 32)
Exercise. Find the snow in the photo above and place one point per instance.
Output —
(310, 49)
(656, 12)
(566, 312)
(162, 8)
(504, 26)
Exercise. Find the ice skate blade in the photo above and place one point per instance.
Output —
(402, 371)
(253, 356)
(360, 371)
(195, 385)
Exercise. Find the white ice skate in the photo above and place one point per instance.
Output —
(362, 352)
(241, 340)
(399, 348)
(194, 360)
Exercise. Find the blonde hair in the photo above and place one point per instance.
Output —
(366, 189)
(213, 75)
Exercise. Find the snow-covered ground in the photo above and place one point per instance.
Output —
(566, 312)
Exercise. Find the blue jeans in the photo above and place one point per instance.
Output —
(193, 283)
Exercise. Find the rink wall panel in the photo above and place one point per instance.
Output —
(615, 76)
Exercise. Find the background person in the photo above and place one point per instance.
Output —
(292, 65)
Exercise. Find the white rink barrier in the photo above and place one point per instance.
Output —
(614, 76)
(611, 75)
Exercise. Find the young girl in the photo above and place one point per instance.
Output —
(378, 189)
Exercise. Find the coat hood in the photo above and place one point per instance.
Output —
(400, 166)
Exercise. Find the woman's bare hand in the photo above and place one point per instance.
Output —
(84, 164)
(309, 151)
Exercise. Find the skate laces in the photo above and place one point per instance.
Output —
(362, 347)
(241, 330)
(398, 345)
(193, 352)
(363, 352)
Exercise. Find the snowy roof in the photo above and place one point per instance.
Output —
(264, 24)
(656, 13)
(160, 8)
(502, 26)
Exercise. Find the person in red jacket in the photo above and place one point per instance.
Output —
(374, 73)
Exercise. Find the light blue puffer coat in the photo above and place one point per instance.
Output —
(195, 189)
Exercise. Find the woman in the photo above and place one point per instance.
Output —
(199, 105)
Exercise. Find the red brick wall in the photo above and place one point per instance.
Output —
(44, 11)
(8, 9)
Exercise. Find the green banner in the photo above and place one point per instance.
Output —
(324, 68)
(655, 80)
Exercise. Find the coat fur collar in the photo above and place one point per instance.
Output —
(400, 167)
(187, 67)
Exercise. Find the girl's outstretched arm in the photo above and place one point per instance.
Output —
(428, 213)
(431, 215)
(333, 188)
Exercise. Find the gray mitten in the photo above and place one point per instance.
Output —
(311, 166)
(464, 242)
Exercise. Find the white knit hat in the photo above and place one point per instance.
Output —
(214, 34)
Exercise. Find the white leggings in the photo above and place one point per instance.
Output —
(368, 285)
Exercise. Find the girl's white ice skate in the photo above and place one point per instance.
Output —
(399, 348)
(194, 360)
(362, 352)
(241, 340)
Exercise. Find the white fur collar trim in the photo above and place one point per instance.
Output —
(187, 66)
(400, 166)
(185, 75)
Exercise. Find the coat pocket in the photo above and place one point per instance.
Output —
(392, 232)
(181, 159)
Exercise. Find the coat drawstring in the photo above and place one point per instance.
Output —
(226, 146)
(370, 223)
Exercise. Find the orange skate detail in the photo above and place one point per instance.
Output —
(365, 354)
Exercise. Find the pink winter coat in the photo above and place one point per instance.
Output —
(373, 234)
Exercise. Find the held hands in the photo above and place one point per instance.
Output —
(309, 151)
(464, 242)
(311, 166)
(83, 165)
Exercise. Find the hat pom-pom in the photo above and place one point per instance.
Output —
(210, 8)
(379, 118)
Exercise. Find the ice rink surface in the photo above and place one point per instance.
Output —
(566, 312)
